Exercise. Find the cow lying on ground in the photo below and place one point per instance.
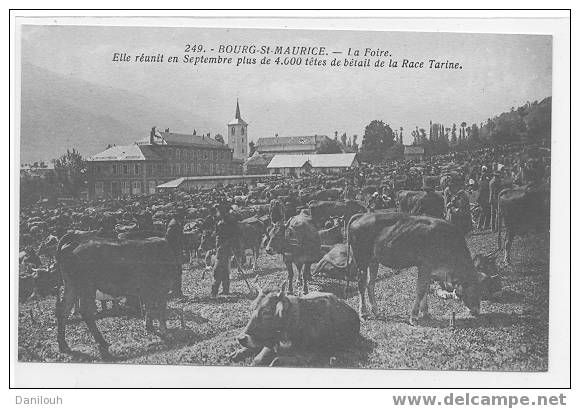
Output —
(398, 241)
(138, 268)
(281, 325)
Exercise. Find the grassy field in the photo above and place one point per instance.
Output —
(511, 334)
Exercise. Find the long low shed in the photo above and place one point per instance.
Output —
(295, 165)
(193, 183)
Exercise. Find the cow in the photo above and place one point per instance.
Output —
(397, 240)
(29, 256)
(140, 268)
(323, 210)
(251, 232)
(48, 246)
(299, 243)
(421, 203)
(522, 210)
(282, 325)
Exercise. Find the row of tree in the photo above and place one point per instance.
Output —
(530, 124)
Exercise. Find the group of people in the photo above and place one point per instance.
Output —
(477, 179)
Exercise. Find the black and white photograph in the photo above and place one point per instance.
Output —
(300, 198)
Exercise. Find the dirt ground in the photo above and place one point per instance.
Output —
(510, 335)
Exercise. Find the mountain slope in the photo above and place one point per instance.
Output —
(59, 113)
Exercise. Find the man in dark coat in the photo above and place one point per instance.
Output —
(494, 189)
(483, 199)
(175, 239)
(227, 245)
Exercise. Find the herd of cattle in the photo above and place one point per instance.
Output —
(117, 248)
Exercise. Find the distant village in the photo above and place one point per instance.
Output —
(165, 160)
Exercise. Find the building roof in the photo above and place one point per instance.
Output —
(414, 150)
(290, 143)
(259, 159)
(315, 160)
(132, 152)
(179, 181)
(181, 139)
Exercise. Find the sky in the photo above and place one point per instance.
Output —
(498, 72)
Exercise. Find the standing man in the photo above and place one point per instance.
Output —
(227, 242)
(494, 189)
(174, 237)
(483, 199)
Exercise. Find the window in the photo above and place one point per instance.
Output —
(137, 168)
(125, 187)
(233, 130)
(125, 169)
(178, 154)
(114, 169)
(136, 187)
(243, 133)
(99, 189)
(149, 169)
(205, 156)
(152, 186)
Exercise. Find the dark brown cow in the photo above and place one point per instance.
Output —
(299, 242)
(522, 210)
(323, 210)
(421, 203)
(144, 269)
(281, 325)
(398, 241)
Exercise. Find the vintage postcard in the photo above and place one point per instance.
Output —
(230, 196)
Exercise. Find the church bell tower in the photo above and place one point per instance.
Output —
(238, 135)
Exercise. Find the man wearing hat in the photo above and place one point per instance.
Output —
(175, 239)
(227, 242)
(494, 189)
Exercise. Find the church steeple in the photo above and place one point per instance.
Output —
(238, 135)
(238, 116)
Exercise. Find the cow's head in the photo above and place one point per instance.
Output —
(276, 238)
(267, 316)
(471, 295)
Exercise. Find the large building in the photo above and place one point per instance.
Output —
(291, 144)
(136, 169)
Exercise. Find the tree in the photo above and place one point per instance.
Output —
(401, 135)
(377, 139)
(463, 124)
(219, 138)
(343, 139)
(252, 147)
(329, 146)
(71, 172)
(354, 143)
